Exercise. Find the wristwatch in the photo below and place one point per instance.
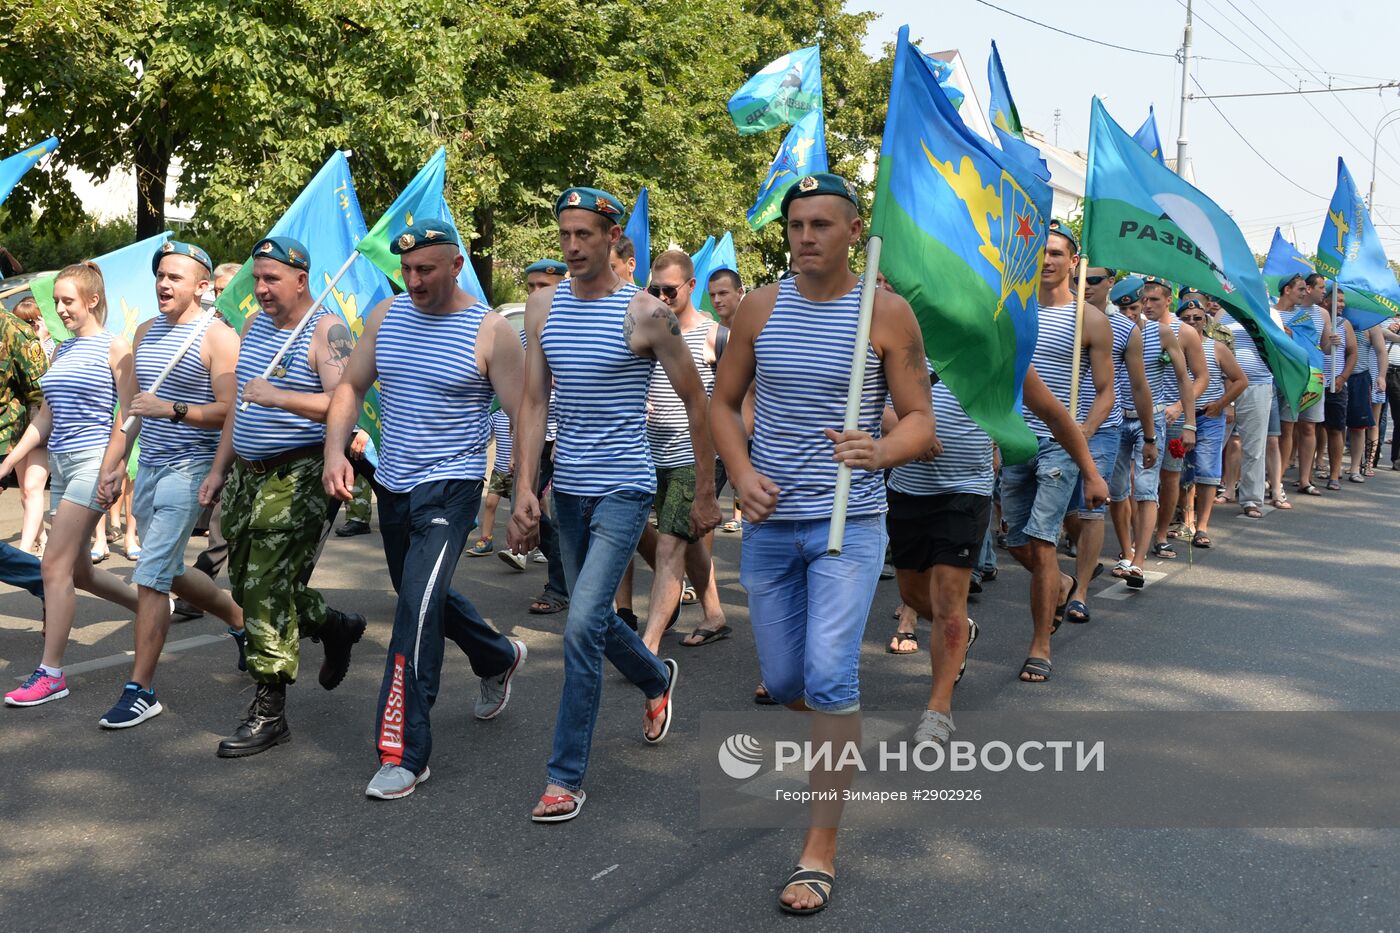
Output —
(181, 409)
(1149, 440)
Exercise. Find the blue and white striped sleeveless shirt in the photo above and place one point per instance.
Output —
(602, 444)
(1054, 363)
(1171, 391)
(163, 441)
(81, 393)
(433, 398)
(500, 432)
(1122, 329)
(261, 432)
(1216, 389)
(668, 426)
(1159, 370)
(551, 423)
(966, 462)
(802, 366)
(1337, 357)
(1247, 353)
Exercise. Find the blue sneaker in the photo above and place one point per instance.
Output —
(134, 707)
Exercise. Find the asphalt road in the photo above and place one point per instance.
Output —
(147, 829)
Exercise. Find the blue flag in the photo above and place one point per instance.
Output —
(1147, 137)
(638, 230)
(701, 260)
(1350, 252)
(803, 152)
(943, 71)
(784, 91)
(13, 168)
(1284, 262)
(1006, 122)
(720, 257)
(129, 284)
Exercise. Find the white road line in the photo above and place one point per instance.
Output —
(1119, 589)
(115, 660)
(605, 871)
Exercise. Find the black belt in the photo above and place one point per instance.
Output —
(276, 460)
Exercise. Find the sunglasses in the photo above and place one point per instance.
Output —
(1095, 279)
(670, 291)
(1194, 318)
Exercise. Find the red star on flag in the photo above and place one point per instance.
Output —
(1023, 227)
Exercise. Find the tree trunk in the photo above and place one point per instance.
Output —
(152, 163)
(482, 247)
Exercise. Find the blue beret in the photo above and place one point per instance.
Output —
(1129, 290)
(809, 186)
(176, 248)
(1063, 229)
(1190, 303)
(591, 199)
(424, 233)
(285, 250)
(547, 266)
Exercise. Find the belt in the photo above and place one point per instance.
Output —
(276, 460)
(1132, 415)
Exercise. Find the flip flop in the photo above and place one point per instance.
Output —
(817, 882)
(550, 800)
(1077, 606)
(903, 637)
(1037, 666)
(706, 636)
(971, 637)
(1164, 551)
(761, 697)
(667, 708)
(1136, 579)
(1060, 609)
(548, 603)
(1252, 512)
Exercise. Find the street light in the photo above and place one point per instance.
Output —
(1386, 119)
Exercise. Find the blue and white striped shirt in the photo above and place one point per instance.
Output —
(668, 424)
(164, 442)
(500, 432)
(1122, 329)
(1247, 353)
(433, 398)
(601, 399)
(966, 462)
(262, 432)
(81, 393)
(802, 367)
(1216, 389)
(1171, 390)
(1054, 363)
(1156, 361)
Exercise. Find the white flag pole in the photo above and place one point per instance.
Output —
(203, 322)
(854, 390)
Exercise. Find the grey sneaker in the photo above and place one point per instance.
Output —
(515, 560)
(934, 729)
(392, 782)
(538, 556)
(495, 691)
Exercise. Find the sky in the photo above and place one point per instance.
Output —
(1302, 43)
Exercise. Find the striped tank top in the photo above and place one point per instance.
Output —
(433, 398)
(602, 444)
(1171, 391)
(551, 424)
(1122, 329)
(668, 427)
(262, 432)
(1156, 361)
(802, 366)
(81, 393)
(1247, 353)
(163, 441)
(1216, 389)
(966, 462)
(1337, 357)
(1054, 363)
(500, 433)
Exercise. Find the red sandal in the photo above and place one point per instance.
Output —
(665, 709)
(550, 800)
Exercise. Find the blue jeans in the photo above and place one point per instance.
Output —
(1035, 495)
(808, 609)
(1129, 474)
(165, 504)
(20, 569)
(1210, 448)
(597, 537)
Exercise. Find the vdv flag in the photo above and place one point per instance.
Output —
(1006, 122)
(13, 168)
(803, 152)
(943, 71)
(422, 200)
(963, 229)
(1147, 137)
(784, 91)
(1284, 262)
(1350, 252)
(1140, 215)
(701, 260)
(721, 257)
(130, 288)
(638, 230)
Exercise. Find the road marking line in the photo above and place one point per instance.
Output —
(97, 664)
(600, 874)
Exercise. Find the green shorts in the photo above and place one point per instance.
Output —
(675, 494)
(502, 484)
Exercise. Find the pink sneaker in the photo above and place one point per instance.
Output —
(39, 688)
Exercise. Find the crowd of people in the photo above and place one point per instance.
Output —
(618, 403)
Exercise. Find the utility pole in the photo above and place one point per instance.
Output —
(1386, 120)
(1057, 126)
(1181, 157)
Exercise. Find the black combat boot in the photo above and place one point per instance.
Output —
(338, 636)
(264, 727)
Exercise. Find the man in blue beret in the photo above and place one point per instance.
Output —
(1179, 416)
(432, 461)
(268, 472)
(178, 423)
(792, 343)
(599, 337)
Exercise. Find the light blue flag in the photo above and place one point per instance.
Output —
(1350, 252)
(1283, 263)
(701, 260)
(13, 168)
(784, 91)
(638, 230)
(803, 152)
(1146, 137)
(943, 71)
(1006, 122)
(129, 284)
(721, 257)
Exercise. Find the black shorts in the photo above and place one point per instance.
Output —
(1334, 410)
(945, 529)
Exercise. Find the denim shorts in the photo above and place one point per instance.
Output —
(165, 504)
(1103, 447)
(1275, 429)
(1210, 447)
(74, 477)
(1169, 463)
(1035, 495)
(808, 609)
(1130, 477)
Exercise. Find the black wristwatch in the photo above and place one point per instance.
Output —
(1150, 440)
(181, 409)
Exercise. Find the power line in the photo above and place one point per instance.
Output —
(1244, 140)
(1075, 35)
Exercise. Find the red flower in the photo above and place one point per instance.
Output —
(1176, 448)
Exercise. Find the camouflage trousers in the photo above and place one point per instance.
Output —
(275, 523)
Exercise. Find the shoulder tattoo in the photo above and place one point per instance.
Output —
(663, 313)
(340, 345)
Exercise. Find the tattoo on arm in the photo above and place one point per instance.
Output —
(340, 346)
(915, 360)
(664, 313)
(628, 323)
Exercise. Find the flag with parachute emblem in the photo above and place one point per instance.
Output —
(784, 91)
(963, 227)
(803, 152)
(1350, 252)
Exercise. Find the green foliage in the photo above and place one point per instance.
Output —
(42, 246)
(529, 96)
